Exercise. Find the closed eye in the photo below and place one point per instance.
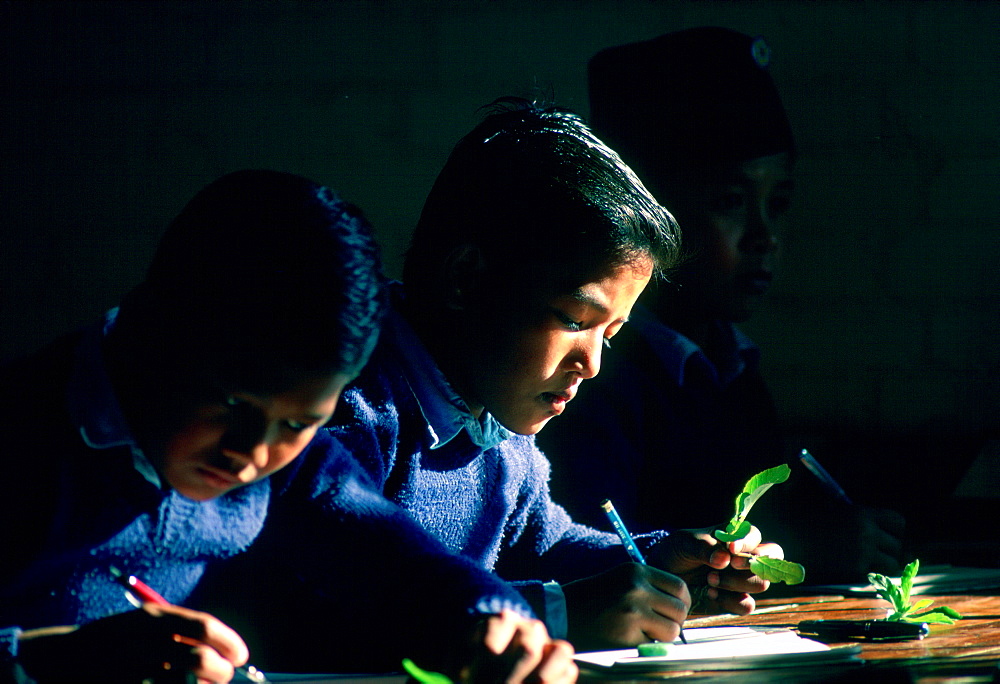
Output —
(298, 426)
(575, 326)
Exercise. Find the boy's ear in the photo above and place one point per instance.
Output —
(462, 277)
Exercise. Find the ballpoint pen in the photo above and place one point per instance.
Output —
(814, 467)
(139, 591)
(864, 630)
(633, 551)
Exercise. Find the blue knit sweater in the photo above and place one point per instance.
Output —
(490, 505)
(321, 547)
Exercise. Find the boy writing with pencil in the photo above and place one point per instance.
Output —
(698, 115)
(531, 249)
(170, 436)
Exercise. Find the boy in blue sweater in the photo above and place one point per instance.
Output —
(172, 435)
(531, 249)
(699, 117)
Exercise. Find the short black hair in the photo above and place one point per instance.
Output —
(536, 192)
(261, 272)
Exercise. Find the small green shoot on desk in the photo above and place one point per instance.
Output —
(423, 676)
(771, 569)
(898, 594)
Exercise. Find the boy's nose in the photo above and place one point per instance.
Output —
(760, 236)
(586, 359)
(258, 454)
(247, 441)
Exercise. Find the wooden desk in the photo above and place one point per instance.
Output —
(969, 649)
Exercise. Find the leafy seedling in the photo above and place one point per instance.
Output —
(897, 592)
(771, 569)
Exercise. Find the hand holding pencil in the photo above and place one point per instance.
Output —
(160, 642)
(630, 604)
(142, 594)
(874, 535)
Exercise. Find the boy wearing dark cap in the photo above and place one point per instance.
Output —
(697, 115)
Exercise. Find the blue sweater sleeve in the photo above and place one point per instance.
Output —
(8, 655)
(352, 583)
(544, 542)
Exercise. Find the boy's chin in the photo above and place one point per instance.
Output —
(530, 428)
(200, 489)
(197, 495)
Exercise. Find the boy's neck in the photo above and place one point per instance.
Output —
(439, 337)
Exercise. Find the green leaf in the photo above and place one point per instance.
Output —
(888, 590)
(933, 616)
(756, 486)
(423, 676)
(777, 570)
(741, 508)
(879, 582)
(936, 614)
(730, 534)
(906, 581)
(899, 596)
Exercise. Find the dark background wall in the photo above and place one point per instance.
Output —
(884, 321)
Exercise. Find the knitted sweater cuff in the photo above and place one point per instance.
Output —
(8, 644)
(549, 604)
(10, 670)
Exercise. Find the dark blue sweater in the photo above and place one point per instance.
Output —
(491, 506)
(300, 559)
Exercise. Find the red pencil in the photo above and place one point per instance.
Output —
(137, 588)
(146, 594)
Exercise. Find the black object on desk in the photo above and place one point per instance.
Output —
(864, 630)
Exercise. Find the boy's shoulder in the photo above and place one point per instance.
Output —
(323, 465)
(380, 392)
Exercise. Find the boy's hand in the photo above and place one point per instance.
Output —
(625, 606)
(874, 537)
(701, 560)
(162, 643)
(515, 649)
(857, 539)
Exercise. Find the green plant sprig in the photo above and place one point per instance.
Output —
(899, 596)
(422, 676)
(765, 567)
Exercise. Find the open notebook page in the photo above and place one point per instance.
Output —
(724, 648)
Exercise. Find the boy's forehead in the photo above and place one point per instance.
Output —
(250, 376)
(582, 290)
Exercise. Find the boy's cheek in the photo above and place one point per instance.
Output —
(192, 439)
(287, 454)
